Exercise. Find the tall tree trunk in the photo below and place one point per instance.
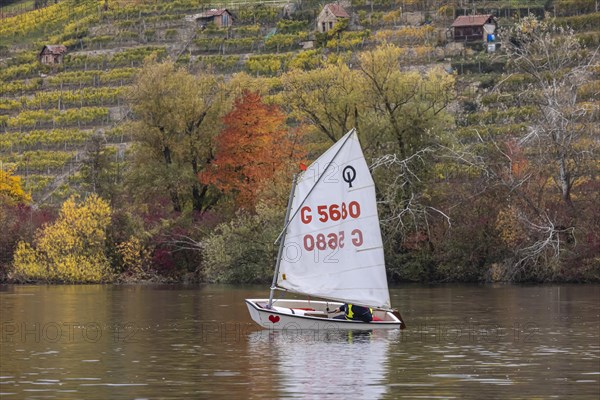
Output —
(565, 182)
(172, 189)
(197, 195)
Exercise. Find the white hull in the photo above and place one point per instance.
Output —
(312, 315)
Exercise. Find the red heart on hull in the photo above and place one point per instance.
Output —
(274, 318)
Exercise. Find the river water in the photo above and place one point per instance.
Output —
(163, 342)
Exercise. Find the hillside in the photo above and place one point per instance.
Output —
(49, 113)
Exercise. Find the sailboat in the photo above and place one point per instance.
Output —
(330, 248)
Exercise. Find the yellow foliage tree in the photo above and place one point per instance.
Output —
(72, 249)
(178, 114)
(327, 98)
(410, 105)
(135, 259)
(11, 192)
(509, 227)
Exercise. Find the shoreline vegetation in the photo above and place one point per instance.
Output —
(153, 163)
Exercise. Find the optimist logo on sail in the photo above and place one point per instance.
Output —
(349, 175)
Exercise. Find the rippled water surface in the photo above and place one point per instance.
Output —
(161, 342)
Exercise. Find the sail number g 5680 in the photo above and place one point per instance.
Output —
(331, 240)
(333, 212)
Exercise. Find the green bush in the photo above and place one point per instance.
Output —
(247, 30)
(281, 41)
(511, 115)
(589, 39)
(171, 33)
(290, 26)
(259, 12)
(221, 63)
(573, 7)
(242, 250)
(581, 22)
(270, 64)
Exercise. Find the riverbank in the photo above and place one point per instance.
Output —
(195, 278)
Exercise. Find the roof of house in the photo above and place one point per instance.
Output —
(337, 10)
(213, 13)
(56, 49)
(471, 20)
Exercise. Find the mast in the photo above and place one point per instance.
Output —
(281, 239)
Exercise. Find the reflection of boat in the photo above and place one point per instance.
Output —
(330, 247)
(326, 365)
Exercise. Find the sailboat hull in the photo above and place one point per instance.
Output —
(313, 315)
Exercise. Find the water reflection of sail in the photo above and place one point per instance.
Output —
(336, 364)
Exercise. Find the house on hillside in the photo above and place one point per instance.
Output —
(221, 17)
(472, 28)
(329, 16)
(52, 54)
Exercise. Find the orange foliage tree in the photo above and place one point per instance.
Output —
(254, 146)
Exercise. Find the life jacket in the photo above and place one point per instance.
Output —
(359, 313)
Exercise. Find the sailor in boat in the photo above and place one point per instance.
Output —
(354, 312)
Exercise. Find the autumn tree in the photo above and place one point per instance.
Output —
(402, 120)
(254, 145)
(18, 220)
(409, 110)
(386, 103)
(19, 223)
(328, 98)
(177, 115)
(98, 172)
(410, 106)
(72, 249)
(540, 181)
(557, 65)
(556, 180)
(11, 189)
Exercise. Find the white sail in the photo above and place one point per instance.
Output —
(333, 247)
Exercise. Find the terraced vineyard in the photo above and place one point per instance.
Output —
(48, 114)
